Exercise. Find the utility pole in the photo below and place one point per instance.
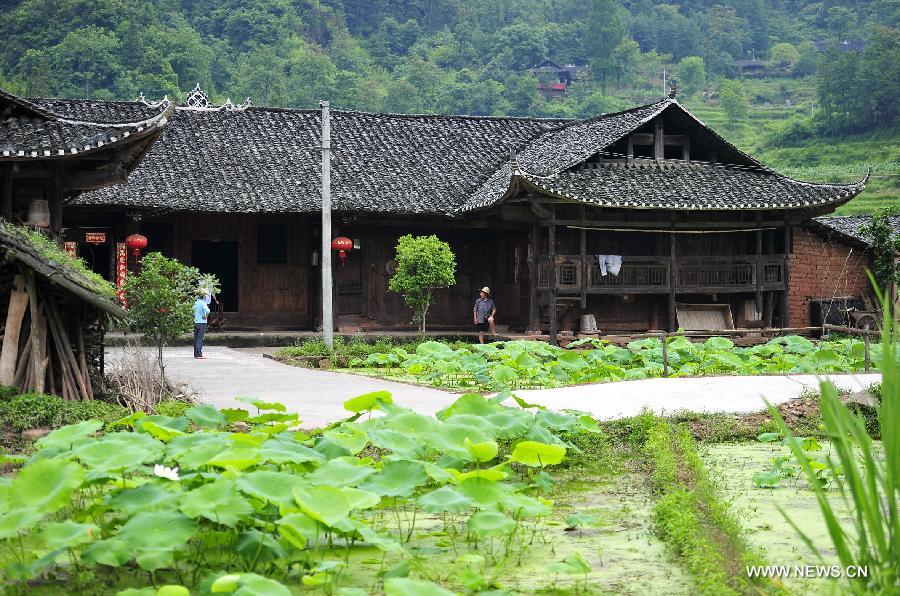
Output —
(327, 317)
(664, 80)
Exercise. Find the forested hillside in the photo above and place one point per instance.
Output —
(770, 73)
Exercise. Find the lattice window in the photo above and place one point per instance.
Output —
(271, 244)
(568, 274)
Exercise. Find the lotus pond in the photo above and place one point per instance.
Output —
(534, 364)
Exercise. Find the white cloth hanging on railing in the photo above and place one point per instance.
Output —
(609, 263)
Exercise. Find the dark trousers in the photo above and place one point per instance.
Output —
(199, 332)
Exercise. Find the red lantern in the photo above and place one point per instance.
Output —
(342, 244)
(136, 242)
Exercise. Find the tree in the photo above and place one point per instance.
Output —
(885, 243)
(604, 33)
(160, 299)
(784, 56)
(692, 74)
(731, 94)
(424, 264)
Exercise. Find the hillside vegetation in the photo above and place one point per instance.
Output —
(808, 86)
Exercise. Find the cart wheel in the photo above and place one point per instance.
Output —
(867, 320)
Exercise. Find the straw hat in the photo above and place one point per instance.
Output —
(486, 290)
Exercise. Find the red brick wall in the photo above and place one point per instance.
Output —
(823, 268)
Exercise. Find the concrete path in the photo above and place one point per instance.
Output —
(318, 396)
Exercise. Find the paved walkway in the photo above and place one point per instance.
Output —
(318, 396)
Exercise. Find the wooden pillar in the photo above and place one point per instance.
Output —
(686, 147)
(786, 293)
(673, 282)
(584, 269)
(554, 340)
(658, 141)
(759, 274)
(56, 201)
(630, 149)
(6, 202)
(533, 273)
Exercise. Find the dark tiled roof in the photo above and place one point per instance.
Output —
(43, 130)
(268, 160)
(850, 226)
(99, 111)
(675, 185)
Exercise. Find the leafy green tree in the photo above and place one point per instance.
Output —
(260, 76)
(784, 56)
(604, 33)
(885, 243)
(86, 60)
(424, 264)
(731, 94)
(160, 298)
(692, 74)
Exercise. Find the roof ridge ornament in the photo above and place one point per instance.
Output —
(164, 103)
(673, 89)
(197, 99)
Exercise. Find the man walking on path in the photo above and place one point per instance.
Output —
(484, 312)
(201, 315)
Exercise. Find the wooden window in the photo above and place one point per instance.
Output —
(271, 244)
(159, 237)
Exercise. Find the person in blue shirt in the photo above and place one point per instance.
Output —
(201, 315)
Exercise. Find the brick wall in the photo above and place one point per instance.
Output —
(823, 268)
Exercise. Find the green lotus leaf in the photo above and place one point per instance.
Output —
(67, 534)
(17, 520)
(445, 499)
(435, 349)
(340, 472)
(66, 436)
(410, 423)
(272, 417)
(137, 592)
(377, 540)
(510, 424)
(490, 523)
(157, 529)
(180, 423)
(273, 487)
(486, 493)
(298, 529)
(147, 497)
(400, 444)
(195, 450)
(258, 547)
(436, 473)
(263, 405)
(283, 452)
(218, 502)
(163, 433)
(582, 520)
(173, 590)
(538, 455)
(349, 437)
(117, 452)
(206, 416)
(520, 505)
(403, 586)
(367, 401)
(360, 499)
(46, 485)
(248, 584)
(494, 474)
(482, 452)
(504, 374)
(769, 479)
(397, 479)
(151, 559)
(325, 504)
(557, 420)
(571, 360)
(470, 403)
(768, 437)
(450, 439)
(233, 415)
(718, 344)
(112, 552)
(238, 458)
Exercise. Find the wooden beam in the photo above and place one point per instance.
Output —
(534, 307)
(554, 340)
(673, 283)
(56, 202)
(759, 274)
(584, 269)
(786, 293)
(6, 202)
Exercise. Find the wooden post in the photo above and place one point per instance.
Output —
(665, 349)
(554, 340)
(759, 274)
(56, 201)
(868, 355)
(6, 203)
(584, 269)
(673, 282)
(786, 293)
(327, 298)
(630, 149)
(38, 334)
(686, 147)
(533, 272)
(658, 141)
(18, 304)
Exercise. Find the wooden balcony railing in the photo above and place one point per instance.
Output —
(652, 274)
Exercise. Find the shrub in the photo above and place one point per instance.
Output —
(174, 408)
(424, 264)
(33, 410)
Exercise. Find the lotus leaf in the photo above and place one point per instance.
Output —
(482, 452)
(397, 479)
(15, 521)
(119, 451)
(113, 552)
(349, 437)
(206, 416)
(490, 523)
(375, 539)
(157, 529)
(67, 534)
(271, 486)
(173, 590)
(218, 501)
(340, 472)
(325, 504)
(284, 451)
(445, 499)
(397, 442)
(581, 520)
(66, 436)
(233, 415)
(238, 458)
(163, 433)
(486, 493)
(195, 450)
(495, 474)
(248, 584)
(298, 529)
(531, 453)
(46, 485)
(403, 586)
(510, 424)
(520, 505)
(367, 401)
(258, 547)
(470, 403)
(147, 497)
(263, 405)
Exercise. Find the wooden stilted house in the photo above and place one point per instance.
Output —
(625, 216)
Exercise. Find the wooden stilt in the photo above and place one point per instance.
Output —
(18, 304)
(38, 333)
